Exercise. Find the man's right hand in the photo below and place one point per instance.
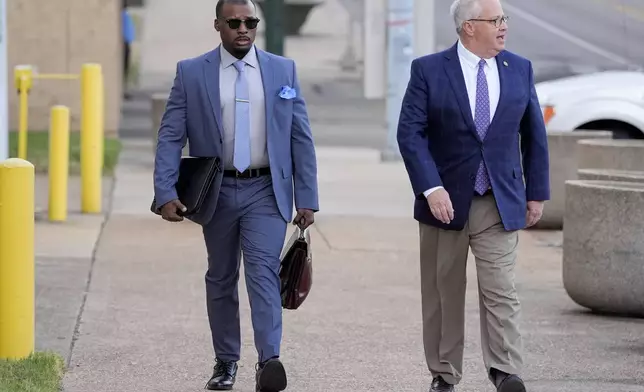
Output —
(169, 211)
(441, 206)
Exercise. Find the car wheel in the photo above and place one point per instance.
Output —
(620, 129)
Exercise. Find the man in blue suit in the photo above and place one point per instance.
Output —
(244, 105)
(473, 140)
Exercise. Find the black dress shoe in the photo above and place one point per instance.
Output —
(511, 383)
(440, 385)
(270, 376)
(223, 376)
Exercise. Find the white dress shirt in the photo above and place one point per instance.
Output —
(470, 66)
(227, 78)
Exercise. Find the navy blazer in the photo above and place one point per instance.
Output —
(439, 144)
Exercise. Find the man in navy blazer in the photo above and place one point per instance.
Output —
(243, 105)
(473, 140)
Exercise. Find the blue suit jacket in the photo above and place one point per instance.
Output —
(193, 112)
(440, 146)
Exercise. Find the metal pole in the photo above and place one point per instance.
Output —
(274, 32)
(16, 259)
(58, 163)
(24, 80)
(4, 84)
(348, 62)
(400, 53)
(425, 27)
(91, 134)
(355, 10)
(374, 76)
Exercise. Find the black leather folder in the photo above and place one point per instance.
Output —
(196, 176)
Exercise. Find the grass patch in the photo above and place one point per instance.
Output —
(38, 151)
(40, 372)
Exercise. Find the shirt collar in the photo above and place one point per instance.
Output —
(228, 59)
(470, 58)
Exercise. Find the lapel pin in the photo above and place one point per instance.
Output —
(505, 63)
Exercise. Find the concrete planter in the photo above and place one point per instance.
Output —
(603, 251)
(563, 152)
(610, 175)
(296, 12)
(618, 154)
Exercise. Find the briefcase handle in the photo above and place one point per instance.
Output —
(302, 232)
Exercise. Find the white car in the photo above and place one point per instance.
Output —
(608, 100)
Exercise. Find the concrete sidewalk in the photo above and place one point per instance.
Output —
(64, 252)
(145, 326)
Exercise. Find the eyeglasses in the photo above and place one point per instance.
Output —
(496, 22)
(251, 23)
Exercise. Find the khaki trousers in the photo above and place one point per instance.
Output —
(443, 260)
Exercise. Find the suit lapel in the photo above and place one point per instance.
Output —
(504, 81)
(453, 69)
(268, 79)
(211, 76)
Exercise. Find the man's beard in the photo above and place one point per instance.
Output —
(240, 52)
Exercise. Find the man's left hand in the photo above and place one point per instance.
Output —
(304, 218)
(535, 210)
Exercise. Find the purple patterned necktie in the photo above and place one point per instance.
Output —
(482, 122)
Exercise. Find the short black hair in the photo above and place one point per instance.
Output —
(220, 5)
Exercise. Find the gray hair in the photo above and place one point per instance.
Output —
(463, 10)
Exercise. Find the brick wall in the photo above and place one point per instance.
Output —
(58, 37)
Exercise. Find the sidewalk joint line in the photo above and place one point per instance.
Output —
(106, 218)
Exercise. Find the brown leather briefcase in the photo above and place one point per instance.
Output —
(296, 270)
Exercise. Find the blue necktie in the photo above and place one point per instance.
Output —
(482, 122)
(241, 159)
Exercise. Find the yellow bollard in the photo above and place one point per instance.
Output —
(17, 280)
(58, 163)
(101, 149)
(91, 133)
(23, 79)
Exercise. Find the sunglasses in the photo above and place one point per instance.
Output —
(251, 23)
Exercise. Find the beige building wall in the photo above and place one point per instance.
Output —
(58, 36)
